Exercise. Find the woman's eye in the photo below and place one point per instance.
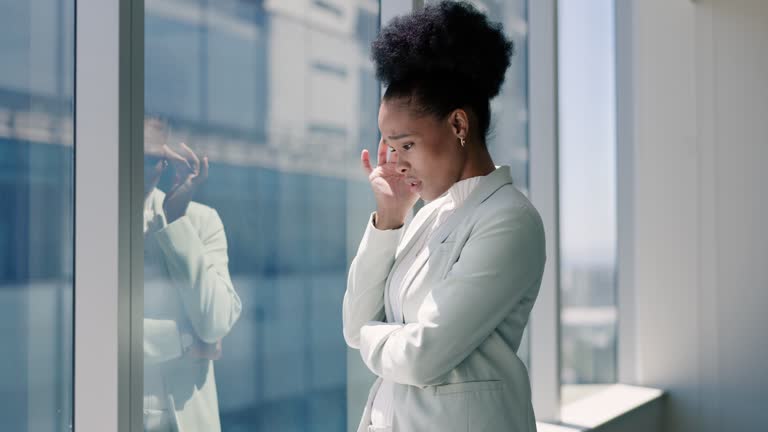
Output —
(391, 149)
(408, 146)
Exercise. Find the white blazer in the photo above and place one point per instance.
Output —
(192, 251)
(465, 302)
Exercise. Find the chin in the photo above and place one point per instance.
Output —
(426, 196)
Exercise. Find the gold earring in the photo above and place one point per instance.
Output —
(462, 141)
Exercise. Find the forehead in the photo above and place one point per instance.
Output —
(397, 118)
(155, 134)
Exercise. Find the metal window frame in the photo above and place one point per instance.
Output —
(544, 190)
(627, 366)
(109, 109)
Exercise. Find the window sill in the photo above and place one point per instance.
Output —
(604, 408)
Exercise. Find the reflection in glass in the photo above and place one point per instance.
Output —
(280, 97)
(190, 304)
(36, 214)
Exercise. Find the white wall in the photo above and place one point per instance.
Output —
(693, 240)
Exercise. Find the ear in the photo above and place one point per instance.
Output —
(459, 122)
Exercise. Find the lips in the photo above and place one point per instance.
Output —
(413, 183)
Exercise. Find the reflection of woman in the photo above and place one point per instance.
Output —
(189, 301)
(437, 309)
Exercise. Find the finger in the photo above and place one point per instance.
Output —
(393, 156)
(191, 156)
(382, 156)
(175, 159)
(203, 171)
(365, 158)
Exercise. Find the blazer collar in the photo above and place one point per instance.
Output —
(487, 187)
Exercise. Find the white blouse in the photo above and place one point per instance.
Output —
(381, 411)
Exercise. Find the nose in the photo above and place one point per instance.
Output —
(402, 166)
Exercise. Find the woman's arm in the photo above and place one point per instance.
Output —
(198, 265)
(164, 341)
(500, 265)
(364, 298)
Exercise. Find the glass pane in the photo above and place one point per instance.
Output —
(36, 221)
(244, 285)
(587, 195)
(508, 141)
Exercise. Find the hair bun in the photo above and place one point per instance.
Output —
(450, 42)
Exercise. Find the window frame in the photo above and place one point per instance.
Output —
(544, 184)
(109, 107)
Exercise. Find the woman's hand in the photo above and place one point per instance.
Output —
(190, 174)
(205, 351)
(394, 198)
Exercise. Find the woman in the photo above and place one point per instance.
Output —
(190, 303)
(437, 308)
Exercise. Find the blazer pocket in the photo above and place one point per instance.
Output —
(469, 387)
(474, 406)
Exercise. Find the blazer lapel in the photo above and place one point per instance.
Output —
(410, 241)
(421, 259)
(157, 217)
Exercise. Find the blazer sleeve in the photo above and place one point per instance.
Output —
(500, 264)
(364, 298)
(198, 264)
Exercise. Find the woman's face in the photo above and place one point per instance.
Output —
(428, 150)
(155, 136)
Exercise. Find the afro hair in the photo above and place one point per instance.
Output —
(444, 56)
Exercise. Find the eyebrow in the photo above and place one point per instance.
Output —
(397, 137)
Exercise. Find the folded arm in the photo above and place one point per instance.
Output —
(500, 264)
(198, 265)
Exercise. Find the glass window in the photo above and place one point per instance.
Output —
(245, 261)
(587, 196)
(36, 221)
